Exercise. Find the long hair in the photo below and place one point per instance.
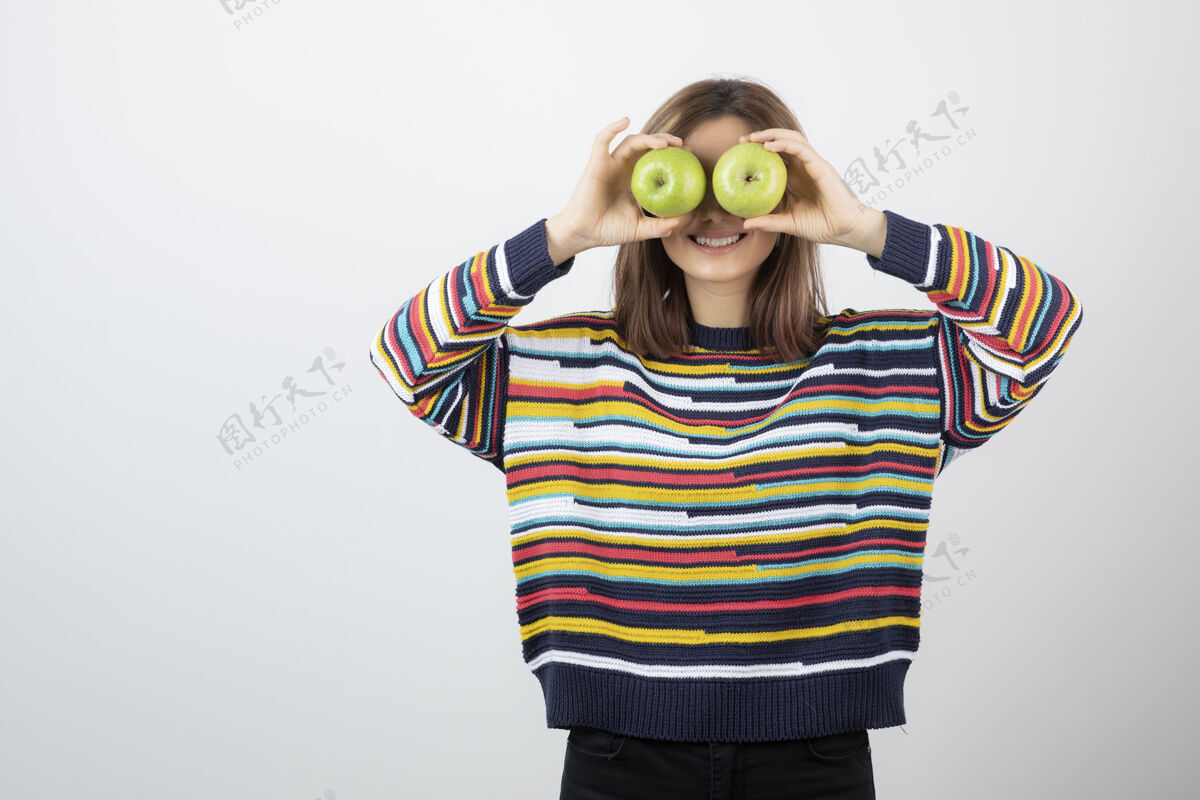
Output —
(651, 306)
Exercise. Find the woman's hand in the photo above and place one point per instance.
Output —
(602, 210)
(820, 206)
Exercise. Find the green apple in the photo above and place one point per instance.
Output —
(749, 180)
(668, 182)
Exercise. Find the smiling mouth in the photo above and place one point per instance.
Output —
(717, 250)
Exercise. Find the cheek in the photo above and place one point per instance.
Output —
(675, 248)
(762, 247)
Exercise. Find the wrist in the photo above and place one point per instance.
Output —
(562, 243)
(869, 235)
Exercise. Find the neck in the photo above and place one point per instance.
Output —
(719, 306)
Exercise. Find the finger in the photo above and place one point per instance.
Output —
(802, 150)
(781, 141)
(820, 172)
(659, 228)
(604, 138)
(665, 227)
(773, 133)
(770, 223)
(638, 142)
(796, 147)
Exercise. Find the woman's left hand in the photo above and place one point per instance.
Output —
(820, 206)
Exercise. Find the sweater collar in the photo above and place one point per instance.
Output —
(711, 338)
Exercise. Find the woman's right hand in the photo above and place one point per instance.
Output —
(602, 210)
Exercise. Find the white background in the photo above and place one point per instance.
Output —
(192, 211)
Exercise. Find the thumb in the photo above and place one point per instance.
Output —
(662, 227)
(769, 223)
(670, 225)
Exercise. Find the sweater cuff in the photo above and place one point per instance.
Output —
(527, 256)
(905, 249)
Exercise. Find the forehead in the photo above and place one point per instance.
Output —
(713, 137)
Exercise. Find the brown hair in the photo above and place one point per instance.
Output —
(788, 295)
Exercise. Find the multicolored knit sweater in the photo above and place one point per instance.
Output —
(714, 547)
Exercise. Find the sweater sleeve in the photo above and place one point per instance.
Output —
(443, 351)
(1001, 324)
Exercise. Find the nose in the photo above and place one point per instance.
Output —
(709, 208)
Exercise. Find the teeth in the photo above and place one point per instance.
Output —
(716, 242)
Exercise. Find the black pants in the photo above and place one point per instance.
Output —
(600, 765)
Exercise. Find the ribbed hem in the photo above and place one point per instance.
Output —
(690, 710)
(711, 338)
(529, 264)
(905, 249)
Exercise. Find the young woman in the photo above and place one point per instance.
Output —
(718, 492)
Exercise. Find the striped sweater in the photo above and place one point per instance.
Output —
(714, 547)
